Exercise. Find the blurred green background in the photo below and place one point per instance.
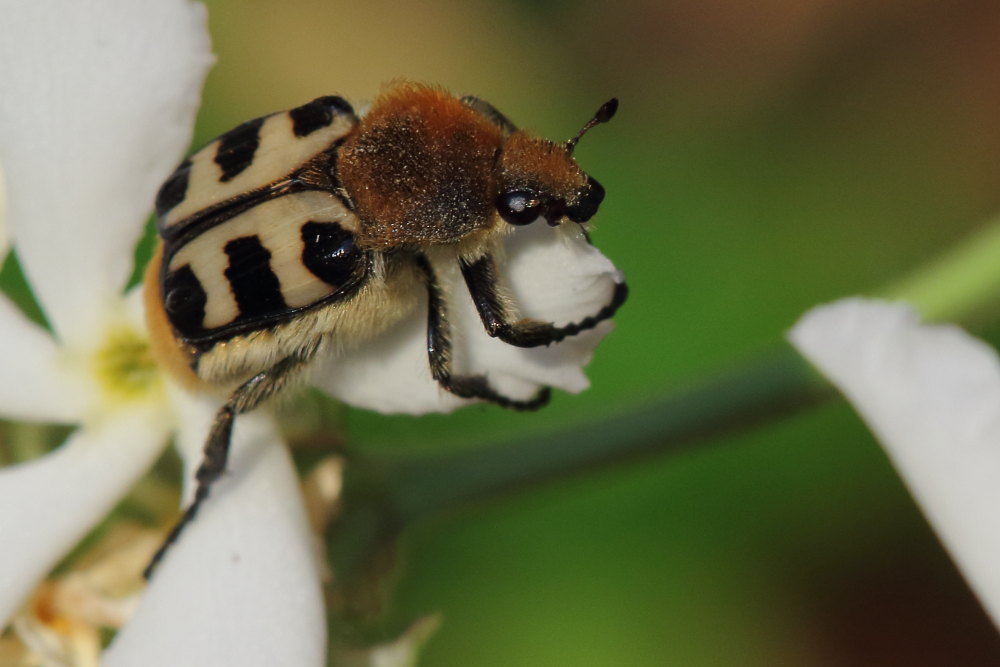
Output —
(767, 157)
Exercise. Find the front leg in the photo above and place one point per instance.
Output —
(245, 398)
(439, 353)
(481, 279)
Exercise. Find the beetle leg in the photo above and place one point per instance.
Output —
(245, 398)
(481, 279)
(439, 354)
(490, 111)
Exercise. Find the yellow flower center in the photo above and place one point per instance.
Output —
(124, 365)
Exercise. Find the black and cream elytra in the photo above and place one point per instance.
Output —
(303, 232)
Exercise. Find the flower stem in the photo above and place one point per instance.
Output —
(959, 283)
(385, 493)
(735, 400)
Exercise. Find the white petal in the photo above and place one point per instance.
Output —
(48, 504)
(4, 240)
(931, 394)
(554, 274)
(98, 102)
(389, 374)
(34, 386)
(241, 586)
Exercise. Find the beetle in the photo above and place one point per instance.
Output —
(304, 232)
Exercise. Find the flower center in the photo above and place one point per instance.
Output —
(124, 365)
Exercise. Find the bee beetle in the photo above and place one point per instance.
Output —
(306, 231)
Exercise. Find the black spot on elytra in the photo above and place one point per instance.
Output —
(318, 114)
(253, 283)
(330, 253)
(237, 147)
(184, 301)
(174, 189)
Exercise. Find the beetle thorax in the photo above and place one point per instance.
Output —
(419, 169)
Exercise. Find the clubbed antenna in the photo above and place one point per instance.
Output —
(603, 115)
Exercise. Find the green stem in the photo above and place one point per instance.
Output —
(959, 283)
(773, 385)
(383, 494)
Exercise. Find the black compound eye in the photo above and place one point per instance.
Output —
(587, 204)
(519, 207)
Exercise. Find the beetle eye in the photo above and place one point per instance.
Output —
(519, 207)
(589, 200)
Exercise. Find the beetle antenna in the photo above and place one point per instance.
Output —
(603, 115)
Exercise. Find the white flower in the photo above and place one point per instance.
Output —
(931, 394)
(97, 99)
(97, 104)
(3, 217)
(554, 274)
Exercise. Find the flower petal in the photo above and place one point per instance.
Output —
(98, 102)
(931, 394)
(241, 586)
(554, 275)
(35, 387)
(4, 239)
(48, 504)
(389, 374)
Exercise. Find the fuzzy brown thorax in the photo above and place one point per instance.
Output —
(419, 168)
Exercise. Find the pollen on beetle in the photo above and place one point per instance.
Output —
(124, 365)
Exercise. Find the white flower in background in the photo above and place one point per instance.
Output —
(97, 104)
(3, 218)
(931, 395)
(97, 100)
